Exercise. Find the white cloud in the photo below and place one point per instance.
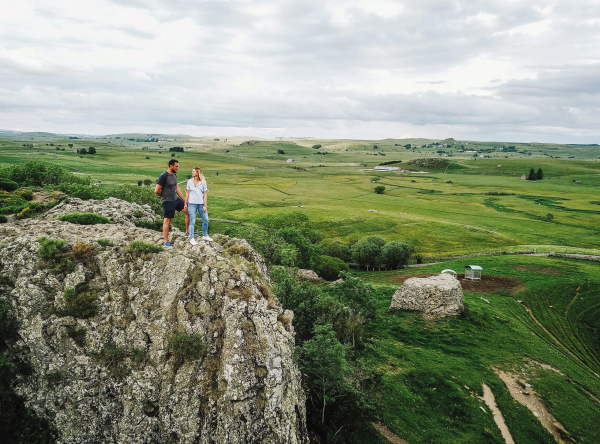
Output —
(344, 69)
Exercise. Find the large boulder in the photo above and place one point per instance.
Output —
(435, 296)
(185, 345)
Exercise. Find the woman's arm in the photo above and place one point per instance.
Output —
(204, 206)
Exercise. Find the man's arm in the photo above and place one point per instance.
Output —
(179, 193)
(158, 190)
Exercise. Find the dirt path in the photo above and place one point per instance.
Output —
(391, 436)
(527, 397)
(490, 401)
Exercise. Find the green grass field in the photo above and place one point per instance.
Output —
(543, 328)
(440, 213)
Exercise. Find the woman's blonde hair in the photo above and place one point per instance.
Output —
(200, 175)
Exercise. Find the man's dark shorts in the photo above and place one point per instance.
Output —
(170, 207)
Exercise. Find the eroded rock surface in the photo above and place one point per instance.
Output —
(115, 377)
(435, 296)
(118, 211)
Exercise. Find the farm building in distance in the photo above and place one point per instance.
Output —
(385, 168)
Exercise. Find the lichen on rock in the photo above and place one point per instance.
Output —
(187, 345)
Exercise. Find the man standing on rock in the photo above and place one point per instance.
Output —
(171, 197)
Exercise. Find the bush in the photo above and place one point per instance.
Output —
(35, 173)
(82, 250)
(3, 219)
(330, 267)
(379, 189)
(80, 302)
(316, 147)
(337, 249)
(140, 182)
(51, 249)
(186, 347)
(157, 225)
(280, 152)
(105, 242)
(8, 185)
(85, 219)
(139, 247)
(366, 251)
(25, 194)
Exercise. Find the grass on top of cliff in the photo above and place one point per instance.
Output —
(545, 330)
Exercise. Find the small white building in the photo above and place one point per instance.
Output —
(473, 272)
(385, 168)
(290, 161)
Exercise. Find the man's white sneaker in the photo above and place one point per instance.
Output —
(193, 241)
(207, 238)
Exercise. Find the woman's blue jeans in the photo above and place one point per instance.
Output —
(192, 209)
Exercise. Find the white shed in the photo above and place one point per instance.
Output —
(290, 161)
(473, 272)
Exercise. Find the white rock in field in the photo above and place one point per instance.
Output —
(435, 296)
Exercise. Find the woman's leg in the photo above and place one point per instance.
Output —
(192, 210)
(204, 215)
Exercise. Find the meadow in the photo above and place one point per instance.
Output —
(476, 204)
(540, 323)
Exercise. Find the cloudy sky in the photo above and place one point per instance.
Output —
(509, 70)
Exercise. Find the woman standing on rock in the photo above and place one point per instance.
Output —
(195, 201)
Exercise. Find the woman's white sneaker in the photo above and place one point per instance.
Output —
(207, 238)
(193, 241)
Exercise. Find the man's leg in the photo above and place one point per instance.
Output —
(166, 224)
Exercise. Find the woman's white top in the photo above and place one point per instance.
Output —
(196, 192)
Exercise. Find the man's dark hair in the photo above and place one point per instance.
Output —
(173, 162)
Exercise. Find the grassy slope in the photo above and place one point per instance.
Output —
(428, 365)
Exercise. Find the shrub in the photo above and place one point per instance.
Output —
(105, 242)
(156, 225)
(24, 213)
(147, 182)
(77, 334)
(35, 173)
(25, 194)
(316, 147)
(138, 213)
(85, 219)
(8, 185)
(140, 182)
(186, 347)
(3, 219)
(82, 250)
(280, 151)
(330, 267)
(51, 249)
(379, 189)
(80, 302)
(137, 248)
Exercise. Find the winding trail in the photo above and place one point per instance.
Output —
(391, 436)
(490, 401)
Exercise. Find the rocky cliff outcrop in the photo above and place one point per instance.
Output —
(126, 345)
(435, 296)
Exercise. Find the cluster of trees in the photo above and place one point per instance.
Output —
(90, 150)
(178, 149)
(331, 328)
(152, 139)
(146, 182)
(535, 176)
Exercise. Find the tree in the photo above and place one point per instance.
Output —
(92, 150)
(280, 151)
(366, 251)
(70, 145)
(330, 267)
(532, 175)
(147, 182)
(540, 174)
(323, 363)
(395, 254)
(82, 151)
(379, 189)
(140, 183)
(316, 147)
